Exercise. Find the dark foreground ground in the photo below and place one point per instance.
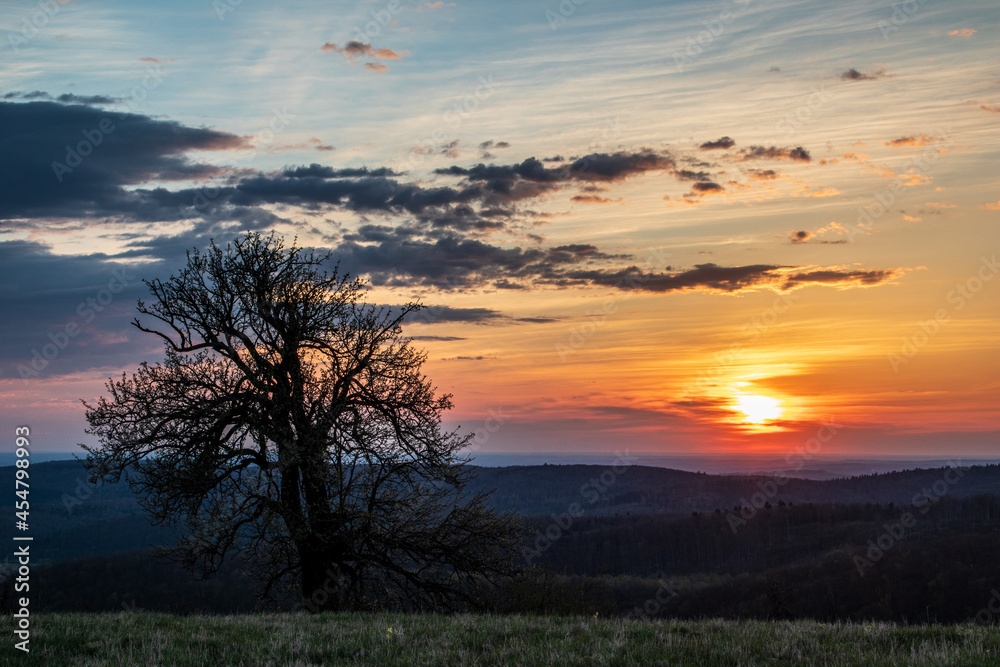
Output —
(396, 639)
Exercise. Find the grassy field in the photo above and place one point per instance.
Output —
(407, 640)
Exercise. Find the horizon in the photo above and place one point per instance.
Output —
(633, 226)
(817, 468)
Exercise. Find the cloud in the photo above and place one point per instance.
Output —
(594, 199)
(913, 140)
(608, 167)
(708, 187)
(806, 191)
(991, 109)
(436, 338)
(837, 277)
(433, 314)
(992, 206)
(763, 174)
(377, 67)
(65, 98)
(712, 277)
(530, 178)
(854, 75)
(688, 175)
(107, 152)
(355, 48)
(798, 153)
(803, 236)
(79, 306)
(964, 32)
(724, 142)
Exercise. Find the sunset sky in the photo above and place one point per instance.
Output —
(672, 227)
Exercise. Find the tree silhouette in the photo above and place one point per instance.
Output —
(290, 422)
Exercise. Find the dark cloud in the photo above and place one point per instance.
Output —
(763, 174)
(618, 166)
(73, 313)
(854, 75)
(355, 48)
(436, 338)
(594, 199)
(688, 175)
(529, 179)
(490, 144)
(727, 278)
(724, 142)
(707, 187)
(912, 140)
(433, 314)
(320, 171)
(65, 98)
(803, 236)
(775, 153)
(75, 161)
(832, 277)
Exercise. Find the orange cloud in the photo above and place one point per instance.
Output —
(992, 206)
(377, 67)
(964, 32)
(940, 205)
(822, 192)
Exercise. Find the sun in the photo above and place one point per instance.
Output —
(759, 409)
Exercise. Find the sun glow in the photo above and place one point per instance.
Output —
(759, 409)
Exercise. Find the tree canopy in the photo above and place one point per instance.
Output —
(290, 423)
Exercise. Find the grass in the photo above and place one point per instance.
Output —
(408, 640)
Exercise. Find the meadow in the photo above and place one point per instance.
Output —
(140, 638)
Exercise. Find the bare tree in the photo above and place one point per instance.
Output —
(290, 422)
